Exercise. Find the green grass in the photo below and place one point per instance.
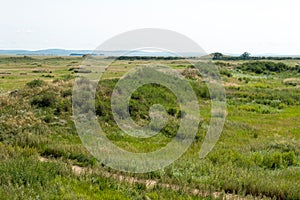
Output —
(258, 153)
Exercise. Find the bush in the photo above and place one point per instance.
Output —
(35, 83)
(259, 67)
(225, 72)
(289, 158)
(172, 111)
(66, 93)
(275, 160)
(45, 100)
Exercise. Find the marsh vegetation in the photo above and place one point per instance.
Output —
(257, 155)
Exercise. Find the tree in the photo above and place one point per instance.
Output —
(217, 56)
(245, 56)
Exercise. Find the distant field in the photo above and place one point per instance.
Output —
(257, 155)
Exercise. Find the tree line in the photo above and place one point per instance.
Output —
(247, 56)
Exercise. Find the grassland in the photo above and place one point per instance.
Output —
(42, 157)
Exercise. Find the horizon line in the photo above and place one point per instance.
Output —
(226, 53)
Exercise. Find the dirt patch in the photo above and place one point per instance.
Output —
(292, 81)
(43, 159)
(78, 170)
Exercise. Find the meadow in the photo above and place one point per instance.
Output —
(42, 156)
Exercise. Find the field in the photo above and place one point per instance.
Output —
(257, 155)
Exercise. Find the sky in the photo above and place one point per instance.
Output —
(228, 26)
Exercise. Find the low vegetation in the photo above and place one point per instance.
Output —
(257, 155)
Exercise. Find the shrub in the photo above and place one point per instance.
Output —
(259, 67)
(35, 83)
(44, 100)
(63, 106)
(225, 72)
(289, 158)
(275, 160)
(172, 111)
(66, 93)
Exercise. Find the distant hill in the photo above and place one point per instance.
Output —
(48, 52)
(64, 52)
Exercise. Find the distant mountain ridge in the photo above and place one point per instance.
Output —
(49, 52)
(65, 52)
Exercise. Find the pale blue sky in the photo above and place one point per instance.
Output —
(232, 26)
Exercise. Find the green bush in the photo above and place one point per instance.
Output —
(260, 67)
(36, 83)
(289, 158)
(66, 93)
(46, 99)
(275, 160)
(225, 72)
